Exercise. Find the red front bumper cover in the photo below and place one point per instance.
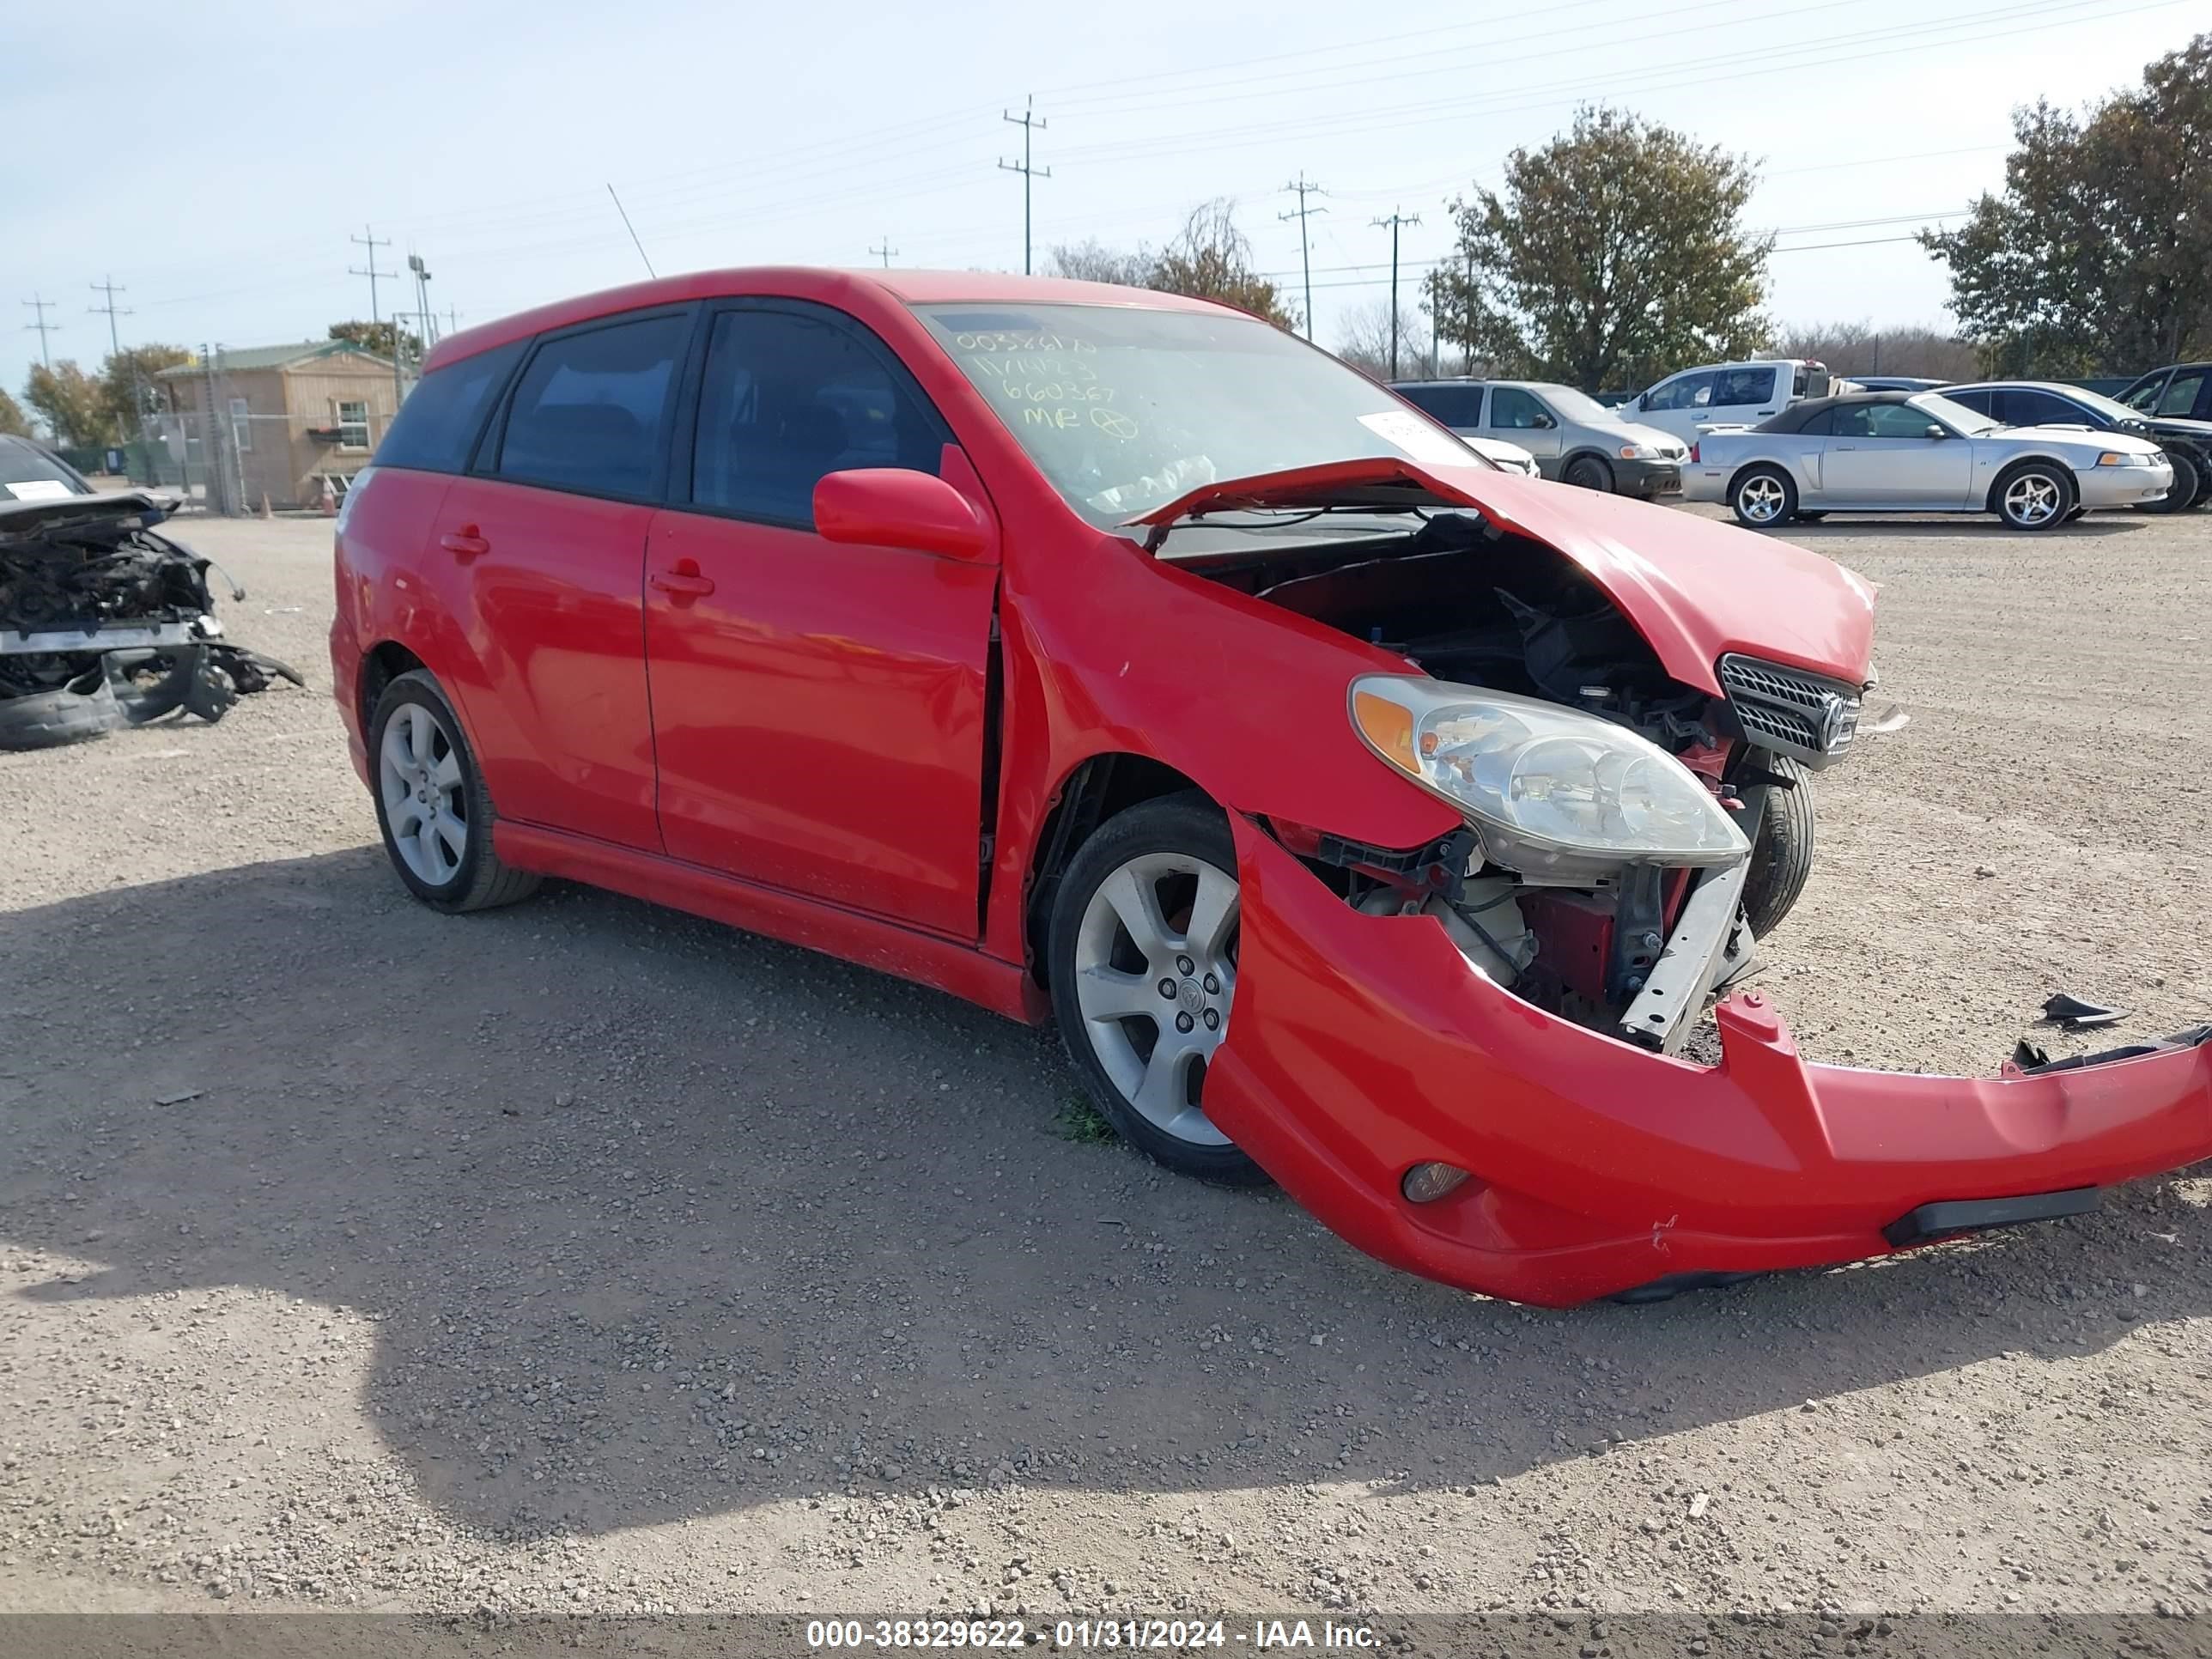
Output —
(1364, 1045)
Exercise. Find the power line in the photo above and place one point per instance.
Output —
(1029, 120)
(1305, 187)
(42, 306)
(1394, 221)
(887, 251)
(369, 240)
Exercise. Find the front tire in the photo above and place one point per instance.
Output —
(2034, 495)
(1151, 901)
(1589, 472)
(431, 804)
(1763, 498)
(1781, 850)
(2188, 486)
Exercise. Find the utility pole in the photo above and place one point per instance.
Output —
(44, 328)
(452, 319)
(887, 251)
(115, 350)
(1029, 121)
(1305, 187)
(1394, 221)
(372, 241)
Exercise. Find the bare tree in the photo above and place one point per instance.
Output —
(1210, 259)
(1363, 340)
(1859, 348)
(1091, 261)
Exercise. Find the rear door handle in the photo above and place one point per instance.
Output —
(684, 581)
(466, 542)
(1839, 448)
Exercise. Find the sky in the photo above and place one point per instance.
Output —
(221, 181)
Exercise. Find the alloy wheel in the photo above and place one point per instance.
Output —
(1760, 499)
(419, 773)
(1155, 970)
(2033, 498)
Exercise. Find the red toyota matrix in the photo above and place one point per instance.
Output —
(1371, 821)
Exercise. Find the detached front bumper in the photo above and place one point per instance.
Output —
(1364, 1045)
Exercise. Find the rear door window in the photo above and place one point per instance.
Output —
(437, 426)
(1982, 402)
(2024, 406)
(1735, 387)
(789, 396)
(591, 411)
(1454, 406)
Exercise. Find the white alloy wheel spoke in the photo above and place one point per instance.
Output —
(1137, 905)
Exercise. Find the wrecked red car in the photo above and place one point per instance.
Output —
(1371, 821)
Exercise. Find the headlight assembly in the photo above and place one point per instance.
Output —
(1550, 789)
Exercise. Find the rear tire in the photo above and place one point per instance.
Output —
(2032, 497)
(431, 804)
(1150, 900)
(1781, 850)
(1763, 498)
(1589, 472)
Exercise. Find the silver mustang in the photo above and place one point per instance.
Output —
(1899, 452)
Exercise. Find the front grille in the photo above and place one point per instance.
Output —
(1805, 716)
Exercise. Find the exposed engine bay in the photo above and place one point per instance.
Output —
(1639, 951)
(105, 624)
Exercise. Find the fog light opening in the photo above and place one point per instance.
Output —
(1424, 1183)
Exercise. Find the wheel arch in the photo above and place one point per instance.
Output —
(1586, 453)
(381, 664)
(1761, 464)
(1094, 790)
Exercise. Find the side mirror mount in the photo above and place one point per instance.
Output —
(1543, 423)
(894, 507)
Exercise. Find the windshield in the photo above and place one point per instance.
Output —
(1576, 406)
(1957, 415)
(1124, 408)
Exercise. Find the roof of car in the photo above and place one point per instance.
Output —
(2058, 387)
(1793, 419)
(809, 283)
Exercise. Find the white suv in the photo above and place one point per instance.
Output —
(1727, 394)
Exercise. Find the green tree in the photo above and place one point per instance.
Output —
(1616, 253)
(377, 336)
(72, 404)
(13, 420)
(127, 384)
(2098, 255)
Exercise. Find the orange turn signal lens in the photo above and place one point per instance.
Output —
(1389, 726)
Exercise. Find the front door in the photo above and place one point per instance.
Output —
(1677, 406)
(818, 709)
(1880, 453)
(1516, 416)
(1747, 396)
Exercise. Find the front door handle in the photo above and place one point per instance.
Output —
(467, 542)
(683, 581)
(1840, 448)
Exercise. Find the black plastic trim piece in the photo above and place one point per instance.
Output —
(1952, 1217)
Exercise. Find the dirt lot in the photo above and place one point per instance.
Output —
(584, 1257)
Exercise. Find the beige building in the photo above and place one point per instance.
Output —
(275, 422)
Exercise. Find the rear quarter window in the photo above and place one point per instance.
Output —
(590, 411)
(437, 426)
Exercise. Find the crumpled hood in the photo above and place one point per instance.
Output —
(1695, 590)
(127, 509)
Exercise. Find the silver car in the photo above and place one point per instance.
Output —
(1898, 451)
(1575, 438)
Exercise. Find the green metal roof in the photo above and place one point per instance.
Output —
(275, 357)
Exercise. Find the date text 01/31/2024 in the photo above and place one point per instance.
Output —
(1142, 1634)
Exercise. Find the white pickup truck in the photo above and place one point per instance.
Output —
(1728, 394)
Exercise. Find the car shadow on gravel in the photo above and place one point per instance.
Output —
(1956, 528)
(652, 1220)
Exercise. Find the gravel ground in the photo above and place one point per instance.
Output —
(584, 1257)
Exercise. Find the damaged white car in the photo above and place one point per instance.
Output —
(102, 622)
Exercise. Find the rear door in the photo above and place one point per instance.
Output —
(1518, 418)
(1880, 454)
(818, 709)
(1458, 406)
(547, 538)
(2032, 406)
(1745, 396)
